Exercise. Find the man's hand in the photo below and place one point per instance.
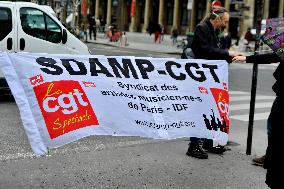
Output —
(239, 58)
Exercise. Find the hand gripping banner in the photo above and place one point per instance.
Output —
(63, 98)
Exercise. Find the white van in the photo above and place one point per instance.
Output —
(28, 27)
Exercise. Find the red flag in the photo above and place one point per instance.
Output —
(84, 8)
(132, 8)
(221, 97)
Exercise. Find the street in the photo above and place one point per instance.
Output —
(117, 51)
(134, 162)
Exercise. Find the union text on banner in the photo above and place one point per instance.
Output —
(63, 98)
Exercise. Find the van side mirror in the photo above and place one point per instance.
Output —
(64, 36)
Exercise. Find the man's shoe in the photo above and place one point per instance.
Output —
(216, 150)
(197, 152)
(258, 161)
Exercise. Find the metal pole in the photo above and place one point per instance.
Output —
(259, 12)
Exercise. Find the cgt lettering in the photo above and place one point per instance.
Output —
(66, 101)
(193, 70)
(65, 107)
(141, 68)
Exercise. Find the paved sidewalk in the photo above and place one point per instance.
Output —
(142, 41)
(145, 42)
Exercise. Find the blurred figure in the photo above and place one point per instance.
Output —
(248, 36)
(189, 38)
(187, 52)
(123, 39)
(102, 25)
(92, 24)
(238, 36)
(98, 24)
(157, 33)
(113, 34)
(83, 32)
(174, 35)
(109, 32)
(150, 28)
(162, 32)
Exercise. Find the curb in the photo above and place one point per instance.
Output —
(112, 45)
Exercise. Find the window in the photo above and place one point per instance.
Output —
(53, 31)
(170, 13)
(5, 22)
(142, 11)
(184, 14)
(37, 24)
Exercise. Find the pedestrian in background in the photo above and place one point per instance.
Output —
(174, 35)
(238, 36)
(83, 32)
(123, 39)
(275, 124)
(157, 33)
(162, 32)
(92, 24)
(102, 25)
(98, 24)
(248, 36)
(150, 28)
(206, 45)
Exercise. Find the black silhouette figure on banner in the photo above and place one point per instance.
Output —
(213, 122)
(213, 125)
(207, 122)
(219, 124)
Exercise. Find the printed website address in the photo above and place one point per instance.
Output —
(166, 126)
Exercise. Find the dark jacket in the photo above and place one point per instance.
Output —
(273, 158)
(267, 59)
(206, 45)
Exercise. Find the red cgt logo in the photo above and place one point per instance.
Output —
(222, 101)
(89, 84)
(36, 80)
(203, 90)
(64, 106)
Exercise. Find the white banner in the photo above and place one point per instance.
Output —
(63, 98)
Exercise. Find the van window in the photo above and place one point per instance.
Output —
(38, 24)
(53, 31)
(5, 22)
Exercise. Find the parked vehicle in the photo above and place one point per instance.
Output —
(28, 27)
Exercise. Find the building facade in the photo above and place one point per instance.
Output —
(136, 15)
